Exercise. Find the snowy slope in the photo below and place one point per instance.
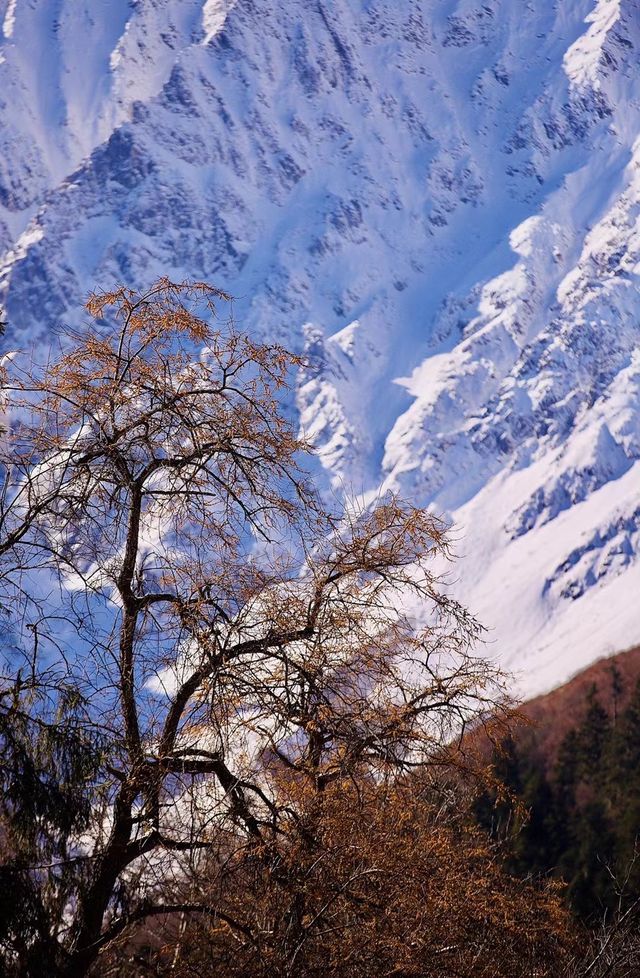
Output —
(439, 201)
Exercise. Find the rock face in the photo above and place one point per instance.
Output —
(440, 201)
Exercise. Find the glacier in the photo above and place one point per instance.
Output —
(438, 202)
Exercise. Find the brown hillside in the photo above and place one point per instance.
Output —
(554, 714)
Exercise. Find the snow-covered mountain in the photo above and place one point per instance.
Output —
(439, 200)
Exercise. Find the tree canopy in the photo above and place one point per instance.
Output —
(217, 710)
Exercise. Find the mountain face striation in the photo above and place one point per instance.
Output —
(440, 202)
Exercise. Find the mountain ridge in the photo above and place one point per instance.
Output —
(440, 206)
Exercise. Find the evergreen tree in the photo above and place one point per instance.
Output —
(49, 764)
(593, 736)
(539, 845)
(588, 863)
(623, 790)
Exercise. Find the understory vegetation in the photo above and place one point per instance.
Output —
(229, 747)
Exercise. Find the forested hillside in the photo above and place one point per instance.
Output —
(576, 773)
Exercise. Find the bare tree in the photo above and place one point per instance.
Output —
(215, 650)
